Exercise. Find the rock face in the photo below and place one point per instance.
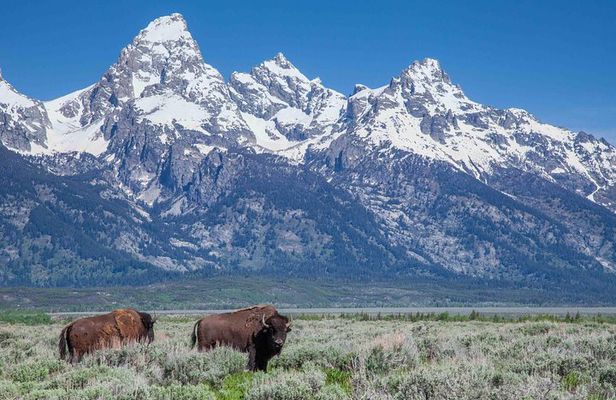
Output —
(23, 121)
(274, 172)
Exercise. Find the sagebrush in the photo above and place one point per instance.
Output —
(333, 358)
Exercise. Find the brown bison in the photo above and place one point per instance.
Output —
(259, 331)
(104, 331)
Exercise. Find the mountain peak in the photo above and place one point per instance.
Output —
(429, 63)
(281, 66)
(279, 62)
(163, 59)
(427, 70)
(167, 28)
(282, 61)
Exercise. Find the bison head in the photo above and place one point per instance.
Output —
(148, 322)
(276, 328)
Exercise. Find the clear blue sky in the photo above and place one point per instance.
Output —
(555, 59)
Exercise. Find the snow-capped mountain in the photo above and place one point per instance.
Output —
(423, 113)
(271, 170)
(178, 109)
(286, 110)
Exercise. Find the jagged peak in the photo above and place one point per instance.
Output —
(428, 69)
(163, 29)
(280, 65)
(1, 79)
(429, 63)
(282, 61)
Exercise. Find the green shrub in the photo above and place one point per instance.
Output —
(332, 392)
(235, 386)
(8, 390)
(211, 367)
(294, 357)
(340, 378)
(572, 364)
(571, 381)
(47, 394)
(442, 383)
(304, 385)
(36, 371)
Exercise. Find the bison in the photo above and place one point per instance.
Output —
(259, 331)
(115, 329)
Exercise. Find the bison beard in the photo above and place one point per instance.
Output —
(259, 331)
(105, 331)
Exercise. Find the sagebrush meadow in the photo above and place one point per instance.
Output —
(328, 358)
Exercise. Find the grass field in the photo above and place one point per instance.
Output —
(350, 357)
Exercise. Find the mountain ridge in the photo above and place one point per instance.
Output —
(412, 177)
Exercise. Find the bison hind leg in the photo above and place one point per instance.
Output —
(252, 359)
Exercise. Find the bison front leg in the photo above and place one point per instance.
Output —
(252, 358)
(262, 364)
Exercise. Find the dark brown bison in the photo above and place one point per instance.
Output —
(259, 331)
(115, 329)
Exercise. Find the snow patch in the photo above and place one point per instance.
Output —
(10, 97)
(204, 148)
(170, 109)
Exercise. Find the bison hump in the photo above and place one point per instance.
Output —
(257, 315)
(128, 323)
(255, 307)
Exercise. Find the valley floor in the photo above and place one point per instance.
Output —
(228, 292)
(355, 357)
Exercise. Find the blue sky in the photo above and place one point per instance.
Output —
(555, 59)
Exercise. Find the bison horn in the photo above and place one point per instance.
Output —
(290, 322)
(265, 325)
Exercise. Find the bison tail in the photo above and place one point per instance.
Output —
(63, 342)
(193, 337)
